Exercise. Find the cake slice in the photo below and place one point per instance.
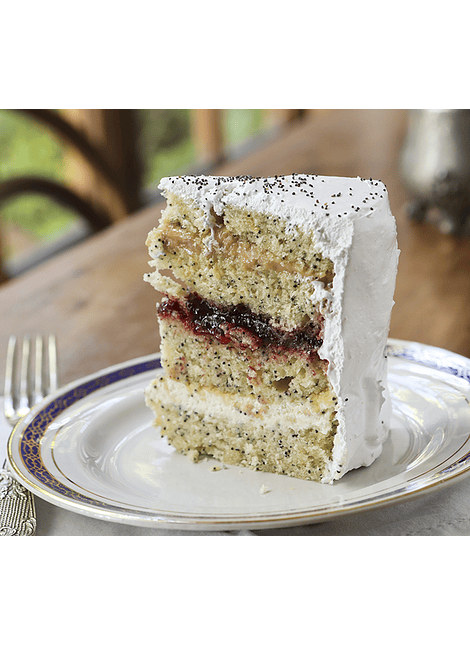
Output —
(277, 300)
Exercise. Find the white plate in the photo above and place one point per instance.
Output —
(91, 448)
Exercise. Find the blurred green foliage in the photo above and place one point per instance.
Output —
(165, 142)
(165, 138)
(27, 148)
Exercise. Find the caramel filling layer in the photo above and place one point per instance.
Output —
(231, 247)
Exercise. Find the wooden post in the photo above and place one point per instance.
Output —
(207, 132)
(114, 134)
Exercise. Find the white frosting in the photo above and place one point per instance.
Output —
(351, 223)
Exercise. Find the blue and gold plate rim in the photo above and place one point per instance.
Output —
(30, 430)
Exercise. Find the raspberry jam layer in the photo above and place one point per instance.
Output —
(238, 325)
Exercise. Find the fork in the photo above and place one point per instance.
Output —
(30, 375)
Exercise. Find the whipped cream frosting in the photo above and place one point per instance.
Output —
(311, 202)
(351, 223)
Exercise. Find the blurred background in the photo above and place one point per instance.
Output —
(78, 195)
(65, 174)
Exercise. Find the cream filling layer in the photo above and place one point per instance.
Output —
(235, 409)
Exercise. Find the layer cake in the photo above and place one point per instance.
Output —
(277, 300)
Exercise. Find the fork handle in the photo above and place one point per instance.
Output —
(17, 511)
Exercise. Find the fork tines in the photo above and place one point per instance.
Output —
(31, 373)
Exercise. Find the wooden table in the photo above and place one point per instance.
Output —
(93, 296)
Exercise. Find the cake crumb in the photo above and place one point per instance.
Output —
(264, 489)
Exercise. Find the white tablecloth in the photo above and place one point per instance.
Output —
(440, 512)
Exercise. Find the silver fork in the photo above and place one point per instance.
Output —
(30, 375)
